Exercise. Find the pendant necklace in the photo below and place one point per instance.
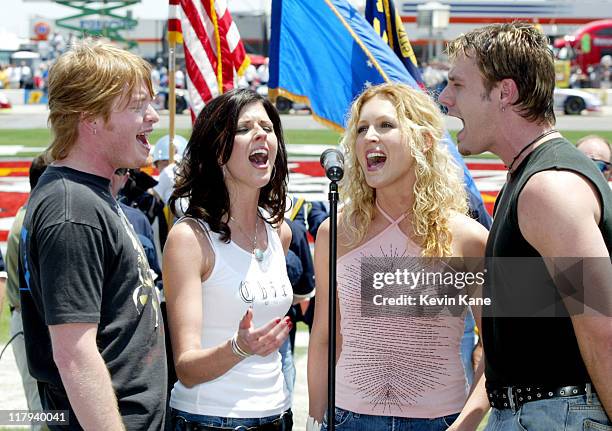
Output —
(257, 252)
(549, 132)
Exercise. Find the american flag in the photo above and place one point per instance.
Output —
(214, 53)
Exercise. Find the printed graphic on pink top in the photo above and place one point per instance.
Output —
(395, 366)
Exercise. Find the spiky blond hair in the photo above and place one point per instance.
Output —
(87, 80)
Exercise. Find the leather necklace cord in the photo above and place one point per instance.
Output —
(549, 132)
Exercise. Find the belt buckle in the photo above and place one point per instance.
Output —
(521, 398)
(511, 393)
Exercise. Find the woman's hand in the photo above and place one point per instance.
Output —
(265, 340)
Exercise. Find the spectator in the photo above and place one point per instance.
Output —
(179, 77)
(599, 150)
(25, 76)
(136, 194)
(139, 222)
(161, 160)
(4, 76)
(14, 73)
(30, 387)
(3, 276)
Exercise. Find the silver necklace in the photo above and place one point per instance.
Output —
(257, 252)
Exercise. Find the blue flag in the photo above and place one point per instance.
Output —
(324, 53)
(387, 23)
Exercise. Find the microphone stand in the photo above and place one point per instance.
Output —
(331, 347)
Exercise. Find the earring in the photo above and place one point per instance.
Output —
(503, 108)
(94, 131)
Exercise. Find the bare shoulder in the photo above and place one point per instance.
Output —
(342, 235)
(188, 243)
(324, 227)
(558, 214)
(186, 233)
(558, 193)
(469, 236)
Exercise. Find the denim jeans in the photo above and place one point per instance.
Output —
(348, 421)
(30, 386)
(239, 424)
(467, 346)
(559, 414)
(288, 366)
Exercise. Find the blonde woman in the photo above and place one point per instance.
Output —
(406, 199)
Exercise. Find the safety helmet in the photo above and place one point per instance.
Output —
(161, 150)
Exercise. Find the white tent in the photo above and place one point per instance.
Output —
(9, 41)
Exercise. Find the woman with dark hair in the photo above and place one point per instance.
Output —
(225, 278)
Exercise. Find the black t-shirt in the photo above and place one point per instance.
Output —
(82, 263)
(533, 350)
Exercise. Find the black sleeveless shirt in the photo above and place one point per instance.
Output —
(534, 350)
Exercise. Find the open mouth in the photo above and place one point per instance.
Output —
(375, 160)
(143, 139)
(460, 133)
(259, 158)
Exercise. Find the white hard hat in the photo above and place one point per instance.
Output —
(161, 150)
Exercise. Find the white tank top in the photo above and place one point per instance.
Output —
(255, 386)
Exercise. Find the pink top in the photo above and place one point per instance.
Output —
(395, 366)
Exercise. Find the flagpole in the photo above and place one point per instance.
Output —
(171, 95)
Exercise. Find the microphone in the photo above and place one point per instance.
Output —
(332, 161)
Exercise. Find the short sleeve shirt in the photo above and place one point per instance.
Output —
(81, 262)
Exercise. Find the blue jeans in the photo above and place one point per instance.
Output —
(288, 366)
(348, 421)
(181, 419)
(559, 414)
(467, 346)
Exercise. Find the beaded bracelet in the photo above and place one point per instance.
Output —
(237, 350)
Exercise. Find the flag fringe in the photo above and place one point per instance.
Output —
(273, 93)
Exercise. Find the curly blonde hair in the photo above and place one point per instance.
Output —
(438, 189)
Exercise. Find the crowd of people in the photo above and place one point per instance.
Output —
(203, 341)
(595, 76)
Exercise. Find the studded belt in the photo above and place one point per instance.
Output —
(513, 397)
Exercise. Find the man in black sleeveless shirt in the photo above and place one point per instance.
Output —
(547, 362)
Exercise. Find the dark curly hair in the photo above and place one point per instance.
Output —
(199, 178)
